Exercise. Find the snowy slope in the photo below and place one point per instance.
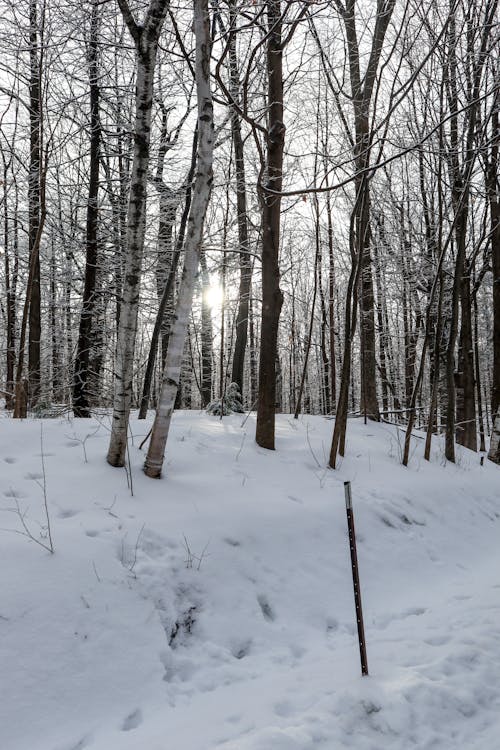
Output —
(214, 608)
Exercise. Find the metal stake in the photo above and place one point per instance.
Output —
(355, 579)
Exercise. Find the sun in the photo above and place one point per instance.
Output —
(214, 296)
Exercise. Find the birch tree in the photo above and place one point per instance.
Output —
(146, 38)
(192, 245)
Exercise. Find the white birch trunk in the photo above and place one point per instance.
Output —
(192, 245)
(146, 41)
(494, 452)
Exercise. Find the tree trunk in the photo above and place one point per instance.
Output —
(35, 113)
(317, 258)
(272, 297)
(331, 301)
(494, 452)
(168, 288)
(206, 336)
(146, 42)
(10, 293)
(466, 429)
(81, 396)
(477, 366)
(192, 247)
(494, 201)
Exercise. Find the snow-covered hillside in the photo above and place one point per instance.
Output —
(214, 608)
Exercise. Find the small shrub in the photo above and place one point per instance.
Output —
(230, 402)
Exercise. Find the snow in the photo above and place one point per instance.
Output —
(214, 608)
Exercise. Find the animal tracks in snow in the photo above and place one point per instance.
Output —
(17, 494)
(80, 745)
(266, 608)
(242, 649)
(69, 513)
(34, 475)
(132, 721)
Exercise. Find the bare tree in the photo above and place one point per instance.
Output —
(146, 37)
(192, 244)
(81, 404)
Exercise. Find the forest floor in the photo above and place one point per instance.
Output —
(213, 609)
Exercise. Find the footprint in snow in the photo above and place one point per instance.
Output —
(437, 640)
(81, 744)
(33, 475)
(240, 650)
(232, 542)
(266, 608)
(283, 708)
(132, 721)
(15, 493)
(331, 624)
(413, 611)
(92, 533)
(68, 513)
(233, 719)
(297, 651)
(10, 460)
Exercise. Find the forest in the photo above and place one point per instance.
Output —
(300, 198)
(249, 249)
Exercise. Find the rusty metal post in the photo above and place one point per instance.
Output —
(355, 579)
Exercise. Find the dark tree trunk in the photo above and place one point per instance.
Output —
(272, 297)
(477, 365)
(331, 301)
(494, 201)
(253, 354)
(466, 429)
(435, 373)
(57, 369)
(325, 362)
(206, 336)
(34, 207)
(361, 273)
(10, 293)
(382, 334)
(461, 176)
(311, 322)
(241, 208)
(81, 396)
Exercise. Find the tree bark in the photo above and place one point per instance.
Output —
(241, 208)
(192, 246)
(494, 452)
(35, 115)
(272, 297)
(81, 396)
(494, 202)
(10, 289)
(146, 39)
(206, 336)
(168, 288)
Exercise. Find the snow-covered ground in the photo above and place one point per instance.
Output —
(214, 608)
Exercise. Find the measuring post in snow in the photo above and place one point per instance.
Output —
(355, 579)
